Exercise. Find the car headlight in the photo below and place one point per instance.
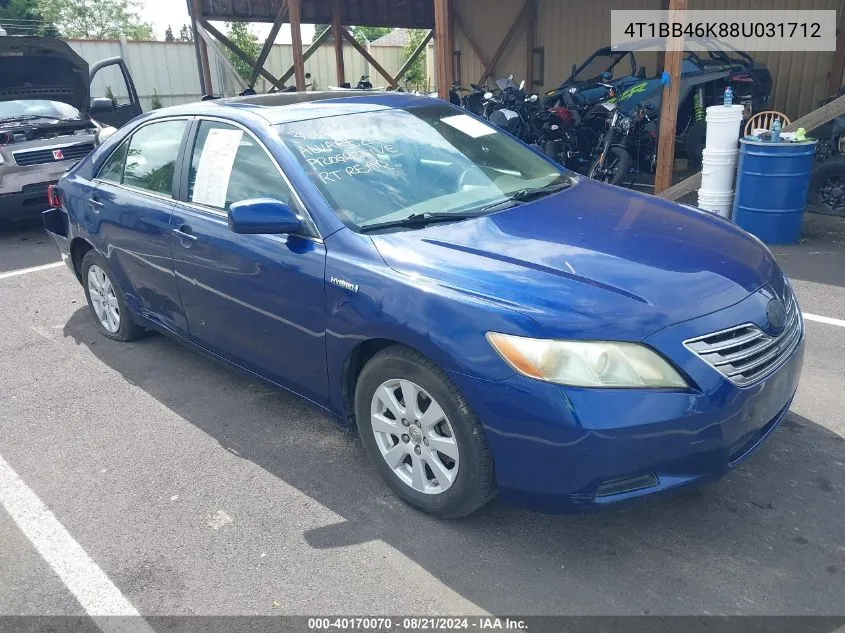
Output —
(586, 363)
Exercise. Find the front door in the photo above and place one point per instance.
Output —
(257, 300)
(131, 209)
(114, 100)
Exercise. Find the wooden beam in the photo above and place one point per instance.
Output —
(238, 52)
(268, 43)
(365, 54)
(669, 105)
(408, 62)
(315, 45)
(221, 56)
(202, 52)
(678, 191)
(530, 39)
(473, 43)
(444, 47)
(337, 24)
(523, 15)
(295, 10)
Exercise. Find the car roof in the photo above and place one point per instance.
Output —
(286, 107)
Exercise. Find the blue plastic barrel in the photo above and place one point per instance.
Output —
(771, 189)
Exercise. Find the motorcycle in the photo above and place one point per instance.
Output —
(472, 102)
(826, 193)
(511, 109)
(629, 143)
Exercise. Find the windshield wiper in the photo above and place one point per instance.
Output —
(21, 117)
(418, 220)
(524, 195)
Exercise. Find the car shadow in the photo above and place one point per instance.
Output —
(766, 539)
(820, 255)
(24, 245)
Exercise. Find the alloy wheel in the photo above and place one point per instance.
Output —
(414, 436)
(103, 299)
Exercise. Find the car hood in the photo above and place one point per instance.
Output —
(43, 68)
(593, 261)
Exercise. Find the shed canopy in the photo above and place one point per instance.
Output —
(417, 14)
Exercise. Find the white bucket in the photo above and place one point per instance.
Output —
(718, 170)
(717, 202)
(723, 126)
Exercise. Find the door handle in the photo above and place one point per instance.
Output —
(185, 236)
(95, 204)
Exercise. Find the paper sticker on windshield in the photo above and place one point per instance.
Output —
(215, 168)
(469, 126)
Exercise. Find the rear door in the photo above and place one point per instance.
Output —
(257, 300)
(130, 210)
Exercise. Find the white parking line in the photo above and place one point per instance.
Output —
(823, 319)
(26, 271)
(81, 575)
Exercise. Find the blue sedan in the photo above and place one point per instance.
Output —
(490, 321)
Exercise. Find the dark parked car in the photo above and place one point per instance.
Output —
(490, 321)
(46, 123)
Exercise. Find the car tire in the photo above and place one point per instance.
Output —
(694, 143)
(472, 481)
(107, 301)
(825, 202)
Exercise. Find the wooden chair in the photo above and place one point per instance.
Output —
(764, 120)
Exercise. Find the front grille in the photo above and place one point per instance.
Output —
(41, 156)
(745, 353)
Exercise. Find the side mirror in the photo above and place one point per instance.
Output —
(100, 105)
(262, 216)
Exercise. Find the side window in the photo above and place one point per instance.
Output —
(151, 158)
(112, 169)
(228, 166)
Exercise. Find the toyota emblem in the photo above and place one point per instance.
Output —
(776, 314)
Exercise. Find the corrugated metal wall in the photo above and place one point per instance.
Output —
(570, 30)
(170, 68)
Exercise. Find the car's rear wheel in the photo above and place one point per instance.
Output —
(422, 435)
(106, 300)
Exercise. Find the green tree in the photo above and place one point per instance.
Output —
(318, 30)
(416, 72)
(21, 17)
(96, 19)
(368, 33)
(186, 34)
(168, 34)
(110, 95)
(247, 41)
(156, 100)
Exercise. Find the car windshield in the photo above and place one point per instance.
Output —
(384, 166)
(37, 108)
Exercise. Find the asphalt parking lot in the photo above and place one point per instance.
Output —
(198, 491)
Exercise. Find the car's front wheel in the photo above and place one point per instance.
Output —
(106, 300)
(422, 435)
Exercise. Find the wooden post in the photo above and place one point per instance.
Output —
(294, 8)
(443, 47)
(517, 23)
(268, 43)
(530, 39)
(337, 24)
(202, 51)
(315, 45)
(669, 106)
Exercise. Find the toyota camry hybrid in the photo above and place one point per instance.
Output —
(490, 321)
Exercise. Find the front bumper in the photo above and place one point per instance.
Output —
(560, 449)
